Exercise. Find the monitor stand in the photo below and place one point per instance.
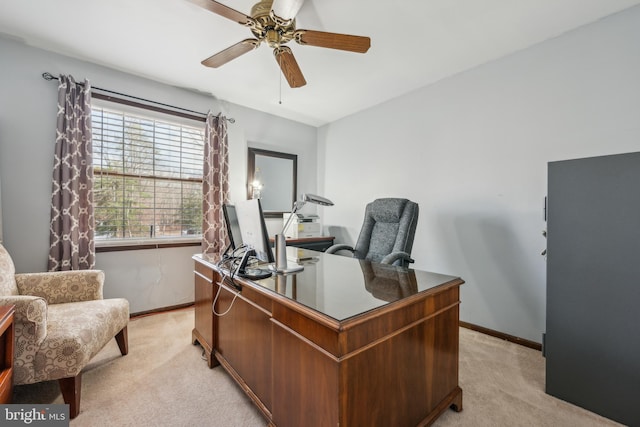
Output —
(252, 273)
(255, 273)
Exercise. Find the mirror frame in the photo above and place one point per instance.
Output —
(251, 166)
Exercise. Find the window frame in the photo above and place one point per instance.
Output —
(139, 108)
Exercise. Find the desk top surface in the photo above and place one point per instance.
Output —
(342, 287)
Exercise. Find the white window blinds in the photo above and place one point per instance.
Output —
(147, 174)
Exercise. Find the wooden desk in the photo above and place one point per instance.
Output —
(7, 339)
(343, 343)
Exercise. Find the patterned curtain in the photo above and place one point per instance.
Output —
(215, 186)
(72, 222)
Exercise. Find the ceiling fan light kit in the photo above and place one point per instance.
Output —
(273, 22)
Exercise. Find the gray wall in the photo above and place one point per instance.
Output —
(472, 150)
(148, 278)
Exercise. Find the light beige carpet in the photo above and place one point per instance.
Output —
(164, 381)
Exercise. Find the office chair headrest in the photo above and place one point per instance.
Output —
(387, 210)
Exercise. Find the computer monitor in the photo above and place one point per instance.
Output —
(233, 227)
(253, 229)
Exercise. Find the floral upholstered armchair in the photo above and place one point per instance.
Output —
(61, 322)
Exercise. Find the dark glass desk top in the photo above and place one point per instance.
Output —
(342, 287)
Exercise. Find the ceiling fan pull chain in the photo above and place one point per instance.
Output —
(280, 80)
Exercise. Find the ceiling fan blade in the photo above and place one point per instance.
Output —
(347, 42)
(222, 10)
(286, 9)
(289, 66)
(231, 53)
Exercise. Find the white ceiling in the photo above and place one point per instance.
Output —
(413, 43)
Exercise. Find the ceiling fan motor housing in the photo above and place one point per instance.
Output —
(269, 27)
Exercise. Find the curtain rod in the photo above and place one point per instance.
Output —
(49, 76)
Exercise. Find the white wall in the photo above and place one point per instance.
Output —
(151, 278)
(472, 150)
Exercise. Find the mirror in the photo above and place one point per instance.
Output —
(272, 177)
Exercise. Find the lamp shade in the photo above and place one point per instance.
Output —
(318, 200)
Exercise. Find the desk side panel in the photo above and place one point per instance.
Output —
(244, 341)
(409, 377)
(305, 381)
(204, 321)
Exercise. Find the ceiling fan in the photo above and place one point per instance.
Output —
(273, 22)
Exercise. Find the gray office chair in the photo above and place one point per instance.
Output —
(387, 232)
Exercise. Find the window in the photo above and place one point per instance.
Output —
(147, 174)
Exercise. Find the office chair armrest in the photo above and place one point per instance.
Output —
(339, 247)
(395, 256)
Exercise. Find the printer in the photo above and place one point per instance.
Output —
(302, 225)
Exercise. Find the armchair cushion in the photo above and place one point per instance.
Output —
(76, 332)
(62, 286)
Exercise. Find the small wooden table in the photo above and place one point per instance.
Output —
(7, 339)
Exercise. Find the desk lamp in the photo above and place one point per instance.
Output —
(280, 240)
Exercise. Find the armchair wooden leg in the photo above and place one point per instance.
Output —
(122, 339)
(70, 388)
